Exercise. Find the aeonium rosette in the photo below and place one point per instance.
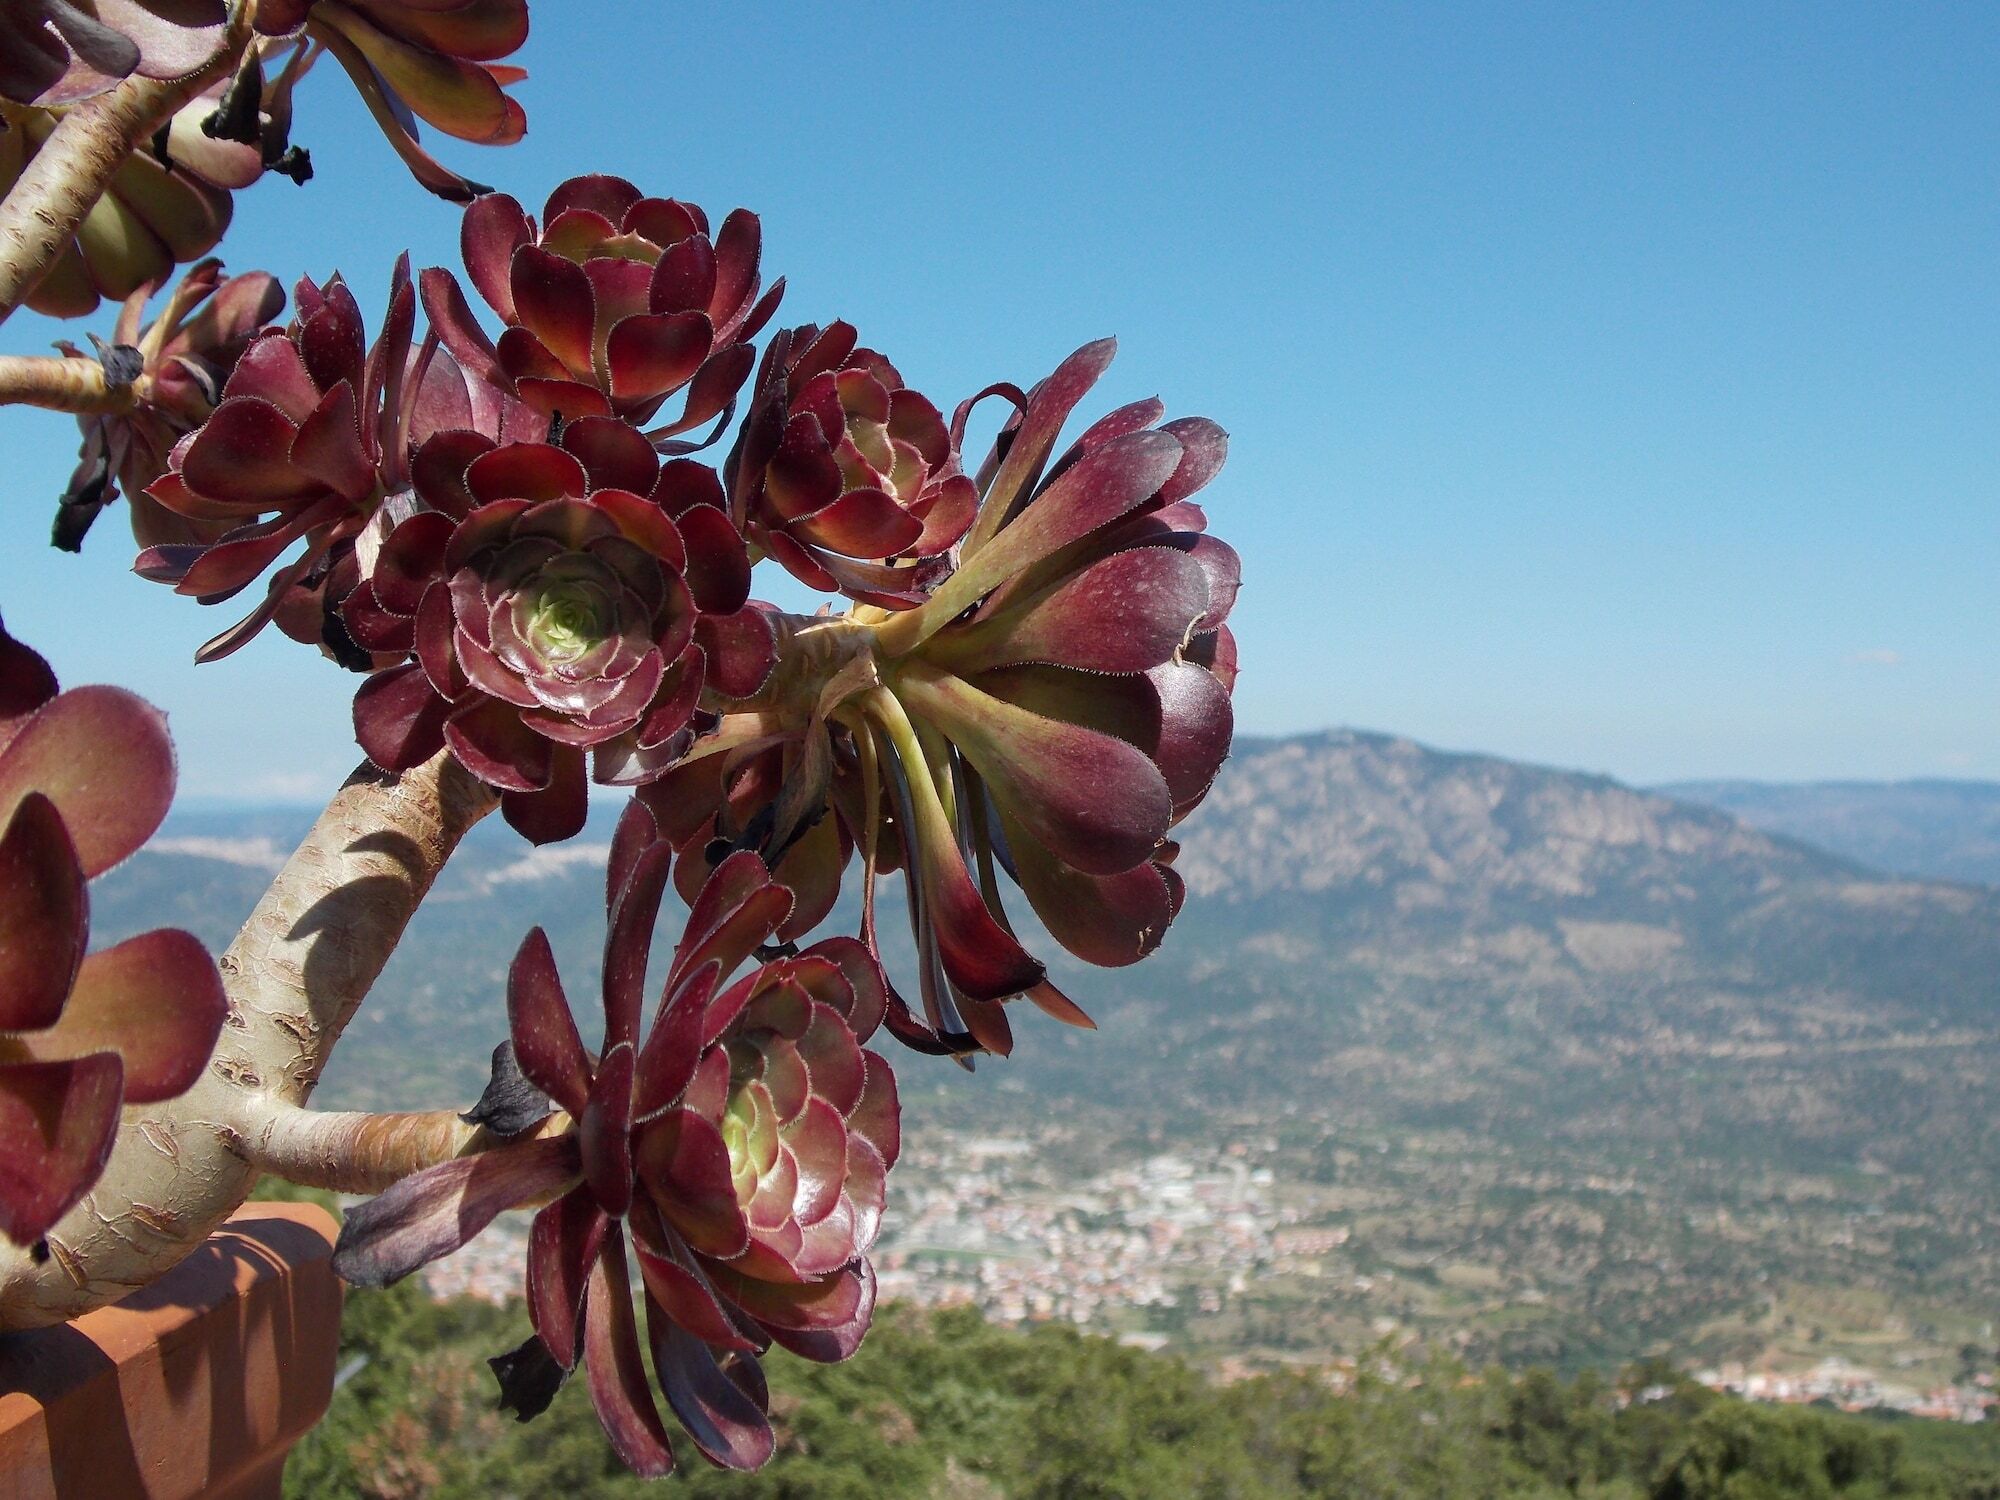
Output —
(615, 303)
(312, 436)
(554, 601)
(85, 777)
(740, 1143)
(152, 217)
(435, 60)
(1048, 712)
(845, 475)
(1063, 699)
(175, 367)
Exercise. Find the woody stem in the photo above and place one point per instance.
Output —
(62, 384)
(76, 164)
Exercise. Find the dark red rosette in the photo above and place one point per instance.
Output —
(1061, 701)
(844, 474)
(615, 303)
(741, 1143)
(85, 777)
(178, 365)
(552, 601)
(312, 436)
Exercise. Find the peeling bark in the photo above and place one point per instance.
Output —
(295, 975)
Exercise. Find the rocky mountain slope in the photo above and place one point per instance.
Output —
(1427, 935)
(1383, 856)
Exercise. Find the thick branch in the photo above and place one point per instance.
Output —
(75, 165)
(62, 384)
(295, 974)
(363, 1153)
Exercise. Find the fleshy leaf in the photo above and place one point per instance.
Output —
(617, 1369)
(563, 1245)
(1094, 799)
(44, 916)
(1127, 613)
(102, 756)
(435, 1211)
(604, 1132)
(58, 1122)
(543, 1029)
(684, 1163)
(156, 1000)
(726, 1424)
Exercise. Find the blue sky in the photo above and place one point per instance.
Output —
(1610, 386)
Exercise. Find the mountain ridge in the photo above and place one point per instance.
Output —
(1663, 1079)
(1935, 828)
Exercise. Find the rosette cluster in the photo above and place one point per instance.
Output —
(1032, 686)
(845, 475)
(614, 304)
(554, 600)
(85, 778)
(1045, 711)
(737, 1147)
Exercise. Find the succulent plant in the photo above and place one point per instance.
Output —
(614, 304)
(434, 60)
(554, 600)
(63, 51)
(511, 536)
(741, 1142)
(1062, 700)
(841, 468)
(312, 436)
(1049, 708)
(176, 366)
(152, 217)
(85, 777)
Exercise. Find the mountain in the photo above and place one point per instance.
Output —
(1396, 860)
(1445, 922)
(1934, 830)
(1585, 1071)
(1446, 936)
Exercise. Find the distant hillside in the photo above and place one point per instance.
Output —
(1935, 830)
(1384, 855)
(1459, 936)
(1663, 1080)
(1354, 878)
